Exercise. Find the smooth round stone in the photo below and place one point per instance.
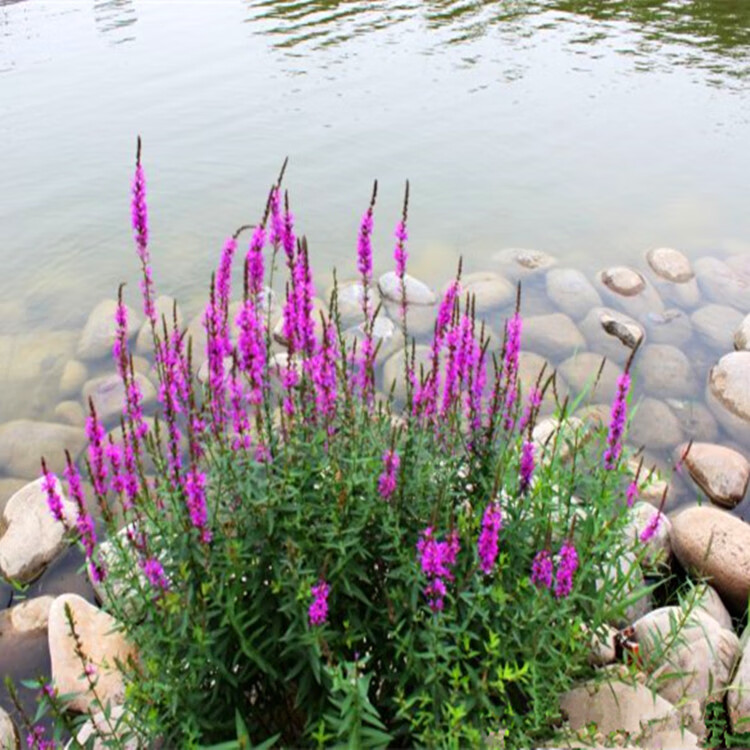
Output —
(663, 370)
(489, 290)
(572, 292)
(716, 324)
(670, 264)
(627, 289)
(99, 333)
(351, 295)
(394, 374)
(668, 327)
(73, 376)
(8, 731)
(386, 337)
(164, 306)
(28, 617)
(108, 395)
(716, 545)
(622, 280)
(518, 263)
(555, 336)
(70, 412)
(23, 443)
(530, 367)
(728, 394)
(417, 292)
(655, 426)
(581, 371)
(696, 420)
(741, 337)
(721, 284)
(611, 333)
(710, 603)
(722, 473)
(35, 356)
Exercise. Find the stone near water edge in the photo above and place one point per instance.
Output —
(663, 370)
(555, 336)
(23, 443)
(74, 375)
(490, 291)
(629, 290)
(741, 338)
(31, 537)
(420, 318)
(622, 280)
(654, 425)
(108, 395)
(692, 670)
(102, 643)
(580, 372)
(611, 334)
(9, 738)
(572, 292)
(716, 545)
(695, 419)
(728, 394)
(668, 327)
(165, 308)
(26, 618)
(70, 412)
(40, 354)
(394, 373)
(351, 295)
(721, 284)
(602, 644)
(417, 292)
(738, 693)
(715, 325)
(722, 473)
(670, 265)
(99, 332)
(652, 485)
(519, 263)
(634, 710)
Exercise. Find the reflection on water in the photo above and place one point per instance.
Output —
(115, 19)
(712, 35)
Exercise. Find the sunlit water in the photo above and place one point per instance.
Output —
(591, 130)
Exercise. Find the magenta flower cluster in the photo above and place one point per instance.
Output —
(487, 546)
(318, 610)
(389, 478)
(617, 420)
(436, 560)
(544, 571)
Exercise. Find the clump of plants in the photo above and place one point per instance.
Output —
(302, 559)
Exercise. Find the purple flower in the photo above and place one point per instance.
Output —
(510, 367)
(276, 234)
(54, 501)
(254, 266)
(617, 421)
(318, 611)
(154, 572)
(95, 433)
(631, 494)
(35, 739)
(195, 496)
(651, 527)
(399, 254)
(139, 215)
(388, 479)
(567, 564)
(534, 400)
(541, 569)
(436, 560)
(492, 522)
(526, 468)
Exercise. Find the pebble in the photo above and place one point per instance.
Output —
(26, 618)
(670, 265)
(555, 336)
(722, 473)
(70, 412)
(490, 291)
(728, 394)
(572, 292)
(715, 325)
(393, 370)
(721, 284)
(581, 370)
(417, 292)
(628, 289)
(663, 370)
(658, 550)
(99, 332)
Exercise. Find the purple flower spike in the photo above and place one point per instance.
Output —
(318, 611)
(567, 564)
(651, 527)
(617, 420)
(492, 522)
(526, 469)
(631, 494)
(510, 367)
(388, 479)
(195, 492)
(436, 560)
(541, 569)
(154, 572)
(139, 215)
(50, 486)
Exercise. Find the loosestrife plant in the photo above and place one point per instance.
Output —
(300, 558)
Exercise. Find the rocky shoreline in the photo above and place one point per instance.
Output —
(691, 325)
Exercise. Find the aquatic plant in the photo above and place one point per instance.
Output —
(311, 561)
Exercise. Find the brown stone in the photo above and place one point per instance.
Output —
(728, 394)
(670, 264)
(722, 473)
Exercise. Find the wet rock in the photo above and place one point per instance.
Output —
(417, 292)
(26, 618)
(555, 336)
(611, 334)
(633, 710)
(622, 280)
(70, 412)
(8, 487)
(420, 318)
(655, 426)
(74, 375)
(23, 443)
(491, 291)
(98, 334)
(31, 536)
(715, 325)
(720, 284)
(668, 327)
(670, 265)
(728, 394)
(585, 372)
(351, 295)
(665, 371)
(572, 292)
(722, 473)
(8, 733)
(716, 545)
(519, 263)
(692, 670)
(658, 550)
(165, 307)
(386, 337)
(393, 370)
(40, 354)
(695, 419)
(710, 603)
(629, 290)
(108, 395)
(103, 645)
(741, 338)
